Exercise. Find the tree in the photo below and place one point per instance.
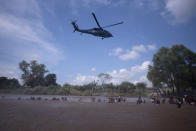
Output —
(126, 86)
(141, 86)
(154, 77)
(25, 68)
(50, 79)
(33, 73)
(68, 87)
(184, 67)
(104, 77)
(173, 67)
(6, 83)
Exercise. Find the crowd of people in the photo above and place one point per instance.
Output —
(154, 99)
(118, 99)
(178, 100)
(140, 100)
(191, 100)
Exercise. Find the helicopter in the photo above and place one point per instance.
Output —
(99, 32)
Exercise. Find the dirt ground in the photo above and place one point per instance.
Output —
(28, 115)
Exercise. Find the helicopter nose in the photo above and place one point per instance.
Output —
(110, 35)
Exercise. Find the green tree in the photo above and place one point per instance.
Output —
(141, 86)
(33, 73)
(50, 79)
(68, 87)
(154, 77)
(104, 77)
(173, 67)
(126, 87)
(6, 83)
(25, 68)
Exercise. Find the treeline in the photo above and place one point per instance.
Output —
(125, 88)
(83, 90)
(174, 69)
(91, 89)
(37, 80)
(6, 83)
(33, 75)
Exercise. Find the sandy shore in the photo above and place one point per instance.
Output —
(28, 115)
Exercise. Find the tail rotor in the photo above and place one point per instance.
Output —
(75, 25)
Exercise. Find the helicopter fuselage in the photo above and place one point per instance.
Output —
(100, 32)
(97, 32)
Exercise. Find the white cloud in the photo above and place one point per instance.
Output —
(179, 11)
(103, 2)
(134, 74)
(149, 4)
(106, 2)
(15, 24)
(129, 55)
(83, 79)
(121, 75)
(116, 51)
(174, 11)
(93, 69)
(134, 53)
(24, 7)
(141, 68)
(75, 4)
(139, 48)
(20, 28)
(25, 37)
(143, 79)
(151, 47)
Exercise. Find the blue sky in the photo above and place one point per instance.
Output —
(41, 30)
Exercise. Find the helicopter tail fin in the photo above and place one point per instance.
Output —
(75, 26)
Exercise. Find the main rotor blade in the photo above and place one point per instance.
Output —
(96, 20)
(113, 24)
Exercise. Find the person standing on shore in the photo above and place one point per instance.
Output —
(139, 101)
(179, 102)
